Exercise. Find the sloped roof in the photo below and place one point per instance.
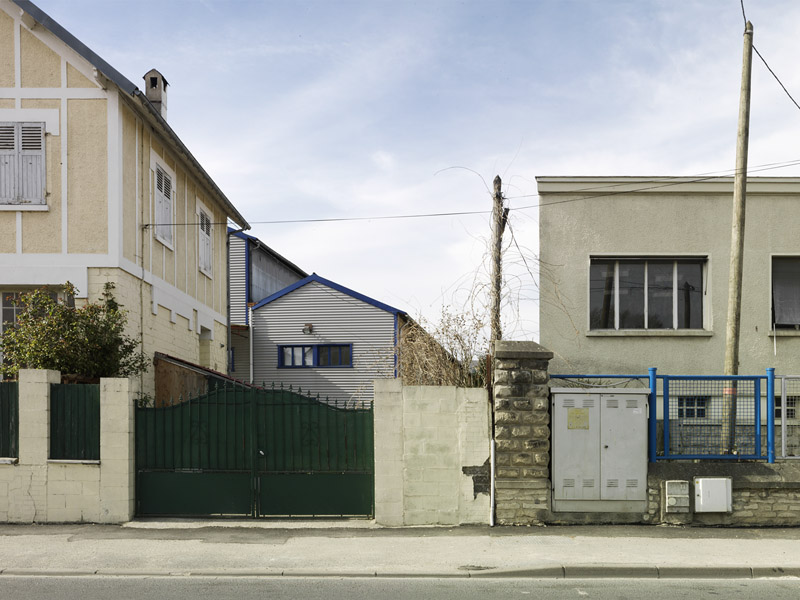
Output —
(339, 288)
(268, 250)
(129, 88)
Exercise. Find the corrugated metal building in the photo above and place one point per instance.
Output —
(255, 271)
(326, 339)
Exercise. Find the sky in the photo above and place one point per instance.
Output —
(332, 109)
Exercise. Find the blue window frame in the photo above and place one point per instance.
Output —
(316, 355)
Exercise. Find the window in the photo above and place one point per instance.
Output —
(646, 294)
(791, 407)
(163, 200)
(204, 243)
(786, 292)
(316, 355)
(692, 407)
(22, 169)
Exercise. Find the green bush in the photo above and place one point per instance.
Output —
(88, 341)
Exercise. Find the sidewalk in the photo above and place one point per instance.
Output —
(360, 549)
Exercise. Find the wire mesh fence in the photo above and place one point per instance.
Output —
(787, 417)
(712, 417)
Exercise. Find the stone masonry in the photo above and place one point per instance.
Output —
(522, 433)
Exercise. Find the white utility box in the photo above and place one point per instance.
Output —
(712, 494)
(599, 450)
(676, 496)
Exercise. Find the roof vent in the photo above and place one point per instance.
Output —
(156, 91)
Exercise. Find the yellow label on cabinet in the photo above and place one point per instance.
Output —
(577, 418)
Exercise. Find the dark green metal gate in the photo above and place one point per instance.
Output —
(255, 452)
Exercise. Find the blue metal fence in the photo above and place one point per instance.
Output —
(706, 417)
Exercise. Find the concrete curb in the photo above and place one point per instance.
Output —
(551, 572)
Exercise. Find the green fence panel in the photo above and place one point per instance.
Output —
(9, 419)
(74, 421)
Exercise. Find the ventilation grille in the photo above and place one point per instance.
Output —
(612, 403)
(588, 483)
(588, 403)
(632, 483)
(632, 403)
(568, 483)
(6, 137)
(612, 483)
(569, 403)
(32, 137)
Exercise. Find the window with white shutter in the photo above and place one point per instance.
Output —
(163, 200)
(22, 165)
(204, 243)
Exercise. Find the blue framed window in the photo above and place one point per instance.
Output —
(316, 355)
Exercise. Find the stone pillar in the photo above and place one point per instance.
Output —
(522, 433)
(117, 449)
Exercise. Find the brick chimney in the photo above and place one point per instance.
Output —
(156, 91)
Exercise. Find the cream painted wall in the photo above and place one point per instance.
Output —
(7, 62)
(40, 66)
(87, 197)
(685, 219)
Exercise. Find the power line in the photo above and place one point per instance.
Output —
(664, 181)
(744, 16)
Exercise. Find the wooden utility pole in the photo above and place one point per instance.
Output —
(499, 218)
(737, 250)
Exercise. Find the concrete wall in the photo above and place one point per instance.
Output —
(432, 448)
(34, 489)
(684, 218)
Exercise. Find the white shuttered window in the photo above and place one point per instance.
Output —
(163, 199)
(22, 168)
(204, 243)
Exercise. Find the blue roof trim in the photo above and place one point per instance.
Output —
(339, 288)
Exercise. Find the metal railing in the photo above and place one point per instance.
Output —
(706, 416)
(787, 415)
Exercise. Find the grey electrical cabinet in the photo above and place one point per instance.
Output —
(599, 450)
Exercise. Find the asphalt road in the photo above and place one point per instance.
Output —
(359, 588)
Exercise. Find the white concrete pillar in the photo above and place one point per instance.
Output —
(117, 449)
(28, 492)
(388, 436)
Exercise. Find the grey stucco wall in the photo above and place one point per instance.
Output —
(672, 219)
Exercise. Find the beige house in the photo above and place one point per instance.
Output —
(95, 186)
(634, 274)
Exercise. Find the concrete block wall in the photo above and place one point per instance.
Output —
(431, 446)
(35, 489)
